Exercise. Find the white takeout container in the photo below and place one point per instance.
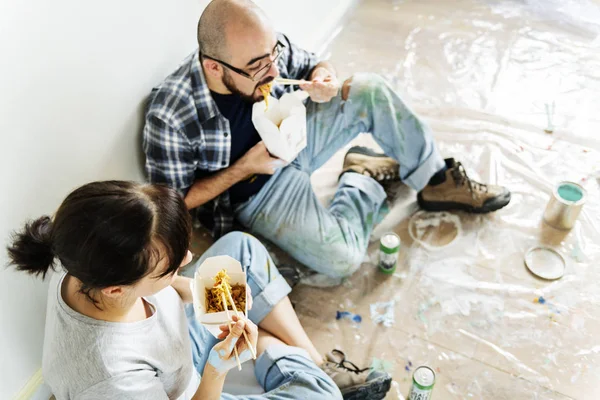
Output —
(204, 278)
(282, 126)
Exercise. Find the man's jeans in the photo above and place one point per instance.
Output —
(333, 240)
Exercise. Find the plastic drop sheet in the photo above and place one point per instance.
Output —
(489, 77)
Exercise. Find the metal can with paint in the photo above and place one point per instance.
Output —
(422, 386)
(389, 247)
(565, 205)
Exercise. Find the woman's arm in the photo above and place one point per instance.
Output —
(211, 385)
(181, 284)
(221, 358)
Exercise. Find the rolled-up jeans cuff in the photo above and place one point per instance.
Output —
(274, 353)
(364, 183)
(271, 295)
(419, 178)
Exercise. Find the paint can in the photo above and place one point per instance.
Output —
(422, 386)
(389, 247)
(565, 205)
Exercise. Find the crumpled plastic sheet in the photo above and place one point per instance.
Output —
(489, 76)
(383, 313)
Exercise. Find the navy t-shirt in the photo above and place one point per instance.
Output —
(243, 137)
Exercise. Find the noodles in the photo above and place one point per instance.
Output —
(266, 91)
(214, 297)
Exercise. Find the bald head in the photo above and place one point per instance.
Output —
(223, 21)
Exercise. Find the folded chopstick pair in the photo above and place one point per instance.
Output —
(285, 81)
(230, 298)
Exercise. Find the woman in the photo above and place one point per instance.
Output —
(116, 324)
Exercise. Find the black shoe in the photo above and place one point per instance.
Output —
(291, 274)
(353, 382)
(365, 161)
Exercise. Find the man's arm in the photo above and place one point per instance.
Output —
(170, 160)
(205, 189)
(256, 161)
(295, 63)
(169, 155)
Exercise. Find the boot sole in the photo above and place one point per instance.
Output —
(363, 154)
(375, 390)
(358, 158)
(499, 203)
(365, 151)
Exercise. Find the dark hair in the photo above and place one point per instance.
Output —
(107, 234)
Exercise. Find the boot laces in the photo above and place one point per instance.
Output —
(460, 177)
(381, 174)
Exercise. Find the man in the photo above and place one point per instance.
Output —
(199, 138)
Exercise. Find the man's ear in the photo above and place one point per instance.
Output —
(212, 68)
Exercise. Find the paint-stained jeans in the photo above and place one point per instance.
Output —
(333, 240)
(284, 372)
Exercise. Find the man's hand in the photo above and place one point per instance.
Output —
(323, 85)
(258, 161)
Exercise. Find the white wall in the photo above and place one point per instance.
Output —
(73, 79)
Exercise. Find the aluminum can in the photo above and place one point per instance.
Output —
(389, 247)
(422, 386)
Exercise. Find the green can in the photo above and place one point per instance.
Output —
(389, 247)
(423, 381)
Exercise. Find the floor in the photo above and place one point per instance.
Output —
(489, 76)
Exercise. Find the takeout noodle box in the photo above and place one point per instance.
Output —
(282, 126)
(204, 278)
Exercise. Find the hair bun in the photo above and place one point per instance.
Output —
(31, 249)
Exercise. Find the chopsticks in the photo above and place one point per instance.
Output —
(237, 357)
(238, 315)
(285, 81)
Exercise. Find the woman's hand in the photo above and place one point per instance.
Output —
(222, 357)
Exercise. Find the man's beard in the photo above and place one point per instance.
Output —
(249, 98)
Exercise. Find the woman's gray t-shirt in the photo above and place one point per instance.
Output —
(85, 358)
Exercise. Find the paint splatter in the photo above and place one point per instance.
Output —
(348, 315)
(578, 254)
(383, 313)
(381, 365)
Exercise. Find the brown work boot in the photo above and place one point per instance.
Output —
(458, 192)
(353, 382)
(365, 161)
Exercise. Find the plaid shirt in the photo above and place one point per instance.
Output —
(185, 135)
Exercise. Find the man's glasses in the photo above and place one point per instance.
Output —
(262, 71)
